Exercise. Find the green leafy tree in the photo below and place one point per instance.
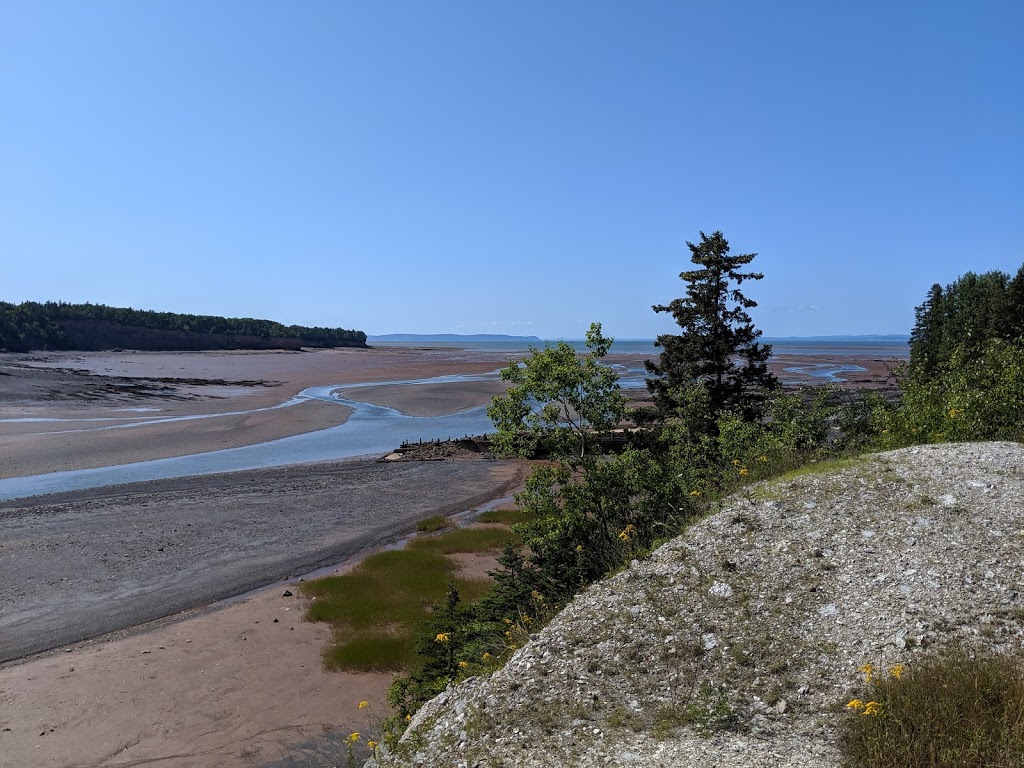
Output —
(717, 350)
(560, 398)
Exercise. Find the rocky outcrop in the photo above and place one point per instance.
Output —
(737, 643)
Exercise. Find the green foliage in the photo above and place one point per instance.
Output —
(32, 325)
(589, 523)
(27, 326)
(717, 348)
(964, 317)
(955, 710)
(969, 397)
(558, 398)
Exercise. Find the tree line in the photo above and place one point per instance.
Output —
(719, 420)
(48, 326)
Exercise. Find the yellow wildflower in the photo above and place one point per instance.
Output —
(896, 671)
(364, 704)
(353, 738)
(408, 718)
(762, 458)
(855, 704)
(371, 744)
(579, 547)
(867, 669)
(463, 663)
(695, 493)
(736, 462)
(487, 656)
(872, 708)
(744, 471)
(443, 637)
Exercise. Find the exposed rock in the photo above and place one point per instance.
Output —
(737, 643)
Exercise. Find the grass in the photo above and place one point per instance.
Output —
(823, 466)
(433, 524)
(505, 516)
(954, 710)
(464, 540)
(377, 608)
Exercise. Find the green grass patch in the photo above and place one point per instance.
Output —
(464, 540)
(955, 710)
(435, 523)
(823, 466)
(377, 608)
(506, 516)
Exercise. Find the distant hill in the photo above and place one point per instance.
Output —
(58, 325)
(426, 337)
(843, 337)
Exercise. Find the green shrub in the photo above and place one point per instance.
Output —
(955, 710)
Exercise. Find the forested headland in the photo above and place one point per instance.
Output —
(58, 325)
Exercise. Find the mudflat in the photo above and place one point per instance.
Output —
(154, 405)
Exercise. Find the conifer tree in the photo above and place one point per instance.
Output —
(716, 359)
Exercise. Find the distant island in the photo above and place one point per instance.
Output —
(843, 337)
(87, 327)
(451, 337)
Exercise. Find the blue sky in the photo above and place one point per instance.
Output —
(507, 167)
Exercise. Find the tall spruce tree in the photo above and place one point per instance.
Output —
(716, 359)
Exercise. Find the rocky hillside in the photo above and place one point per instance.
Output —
(738, 643)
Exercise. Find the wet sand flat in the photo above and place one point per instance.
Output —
(143, 387)
(82, 564)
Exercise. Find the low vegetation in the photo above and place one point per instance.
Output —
(957, 709)
(433, 524)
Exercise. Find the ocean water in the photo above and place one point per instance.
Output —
(780, 346)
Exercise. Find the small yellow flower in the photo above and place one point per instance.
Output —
(855, 704)
(463, 663)
(443, 637)
(579, 547)
(372, 744)
(867, 669)
(364, 704)
(896, 671)
(408, 718)
(695, 493)
(954, 412)
(744, 471)
(762, 458)
(487, 656)
(872, 708)
(537, 596)
(736, 462)
(353, 738)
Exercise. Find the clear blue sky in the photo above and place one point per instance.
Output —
(515, 167)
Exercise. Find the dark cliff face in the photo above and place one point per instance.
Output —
(91, 335)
